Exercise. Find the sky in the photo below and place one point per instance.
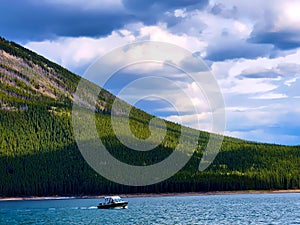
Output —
(251, 47)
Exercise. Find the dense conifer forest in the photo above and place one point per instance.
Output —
(39, 156)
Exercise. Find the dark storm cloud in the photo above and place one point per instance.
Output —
(158, 6)
(32, 20)
(283, 40)
(236, 49)
(152, 11)
(283, 70)
(266, 74)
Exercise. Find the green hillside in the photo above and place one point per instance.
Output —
(38, 154)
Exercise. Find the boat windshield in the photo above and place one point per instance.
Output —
(113, 199)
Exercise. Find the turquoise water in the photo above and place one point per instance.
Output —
(213, 209)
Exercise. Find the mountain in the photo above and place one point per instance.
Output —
(39, 156)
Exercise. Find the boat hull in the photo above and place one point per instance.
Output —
(113, 205)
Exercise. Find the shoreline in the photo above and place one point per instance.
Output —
(143, 195)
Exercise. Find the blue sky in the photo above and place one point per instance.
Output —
(252, 48)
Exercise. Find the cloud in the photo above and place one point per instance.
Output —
(281, 39)
(34, 20)
(240, 9)
(78, 53)
(219, 9)
(252, 86)
(271, 24)
(262, 74)
(163, 82)
(291, 81)
(225, 37)
(260, 97)
(156, 9)
(271, 95)
(281, 27)
(269, 123)
(49, 19)
(161, 33)
(232, 49)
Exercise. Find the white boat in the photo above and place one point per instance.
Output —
(113, 202)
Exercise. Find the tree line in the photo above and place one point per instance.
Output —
(38, 156)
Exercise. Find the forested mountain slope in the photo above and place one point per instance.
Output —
(38, 154)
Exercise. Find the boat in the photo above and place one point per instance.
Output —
(111, 202)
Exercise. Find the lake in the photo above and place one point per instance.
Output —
(211, 209)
